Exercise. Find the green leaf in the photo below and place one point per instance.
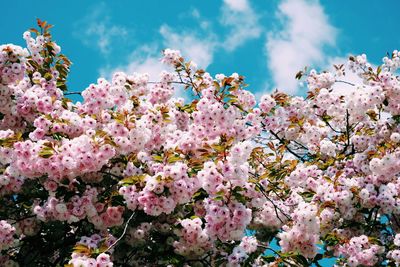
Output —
(240, 198)
(396, 118)
(158, 158)
(117, 200)
(331, 239)
(82, 249)
(301, 259)
(130, 180)
(218, 148)
(46, 152)
(378, 70)
(238, 189)
(174, 158)
(200, 195)
(307, 196)
(218, 198)
(268, 258)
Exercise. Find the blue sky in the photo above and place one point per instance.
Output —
(266, 41)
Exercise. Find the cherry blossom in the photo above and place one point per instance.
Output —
(133, 176)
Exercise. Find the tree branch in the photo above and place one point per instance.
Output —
(123, 233)
(282, 141)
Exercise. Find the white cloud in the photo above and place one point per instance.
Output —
(97, 28)
(243, 22)
(196, 44)
(104, 35)
(193, 47)
(145, 59)
(306, 32)
(150, 65)
(349, 82)
(237, 5)
(195, 13)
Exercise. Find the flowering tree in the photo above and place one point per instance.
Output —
(132, 176)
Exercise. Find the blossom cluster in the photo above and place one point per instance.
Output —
(7, 232)
(181, 182)
(194, 240)
(241, 252)
(361, 252)
(303, 236)
(88, 244)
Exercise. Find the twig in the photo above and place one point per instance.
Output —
(23, 218)
(330, 126)
(300, 144)
(395, 220)
(123, 233)
(348, 130)
(277, 253)
(149, 82)
(276, 208)
(112, 175)
(174, 82)
(349, 83)
(282, 141)
(72, 93)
